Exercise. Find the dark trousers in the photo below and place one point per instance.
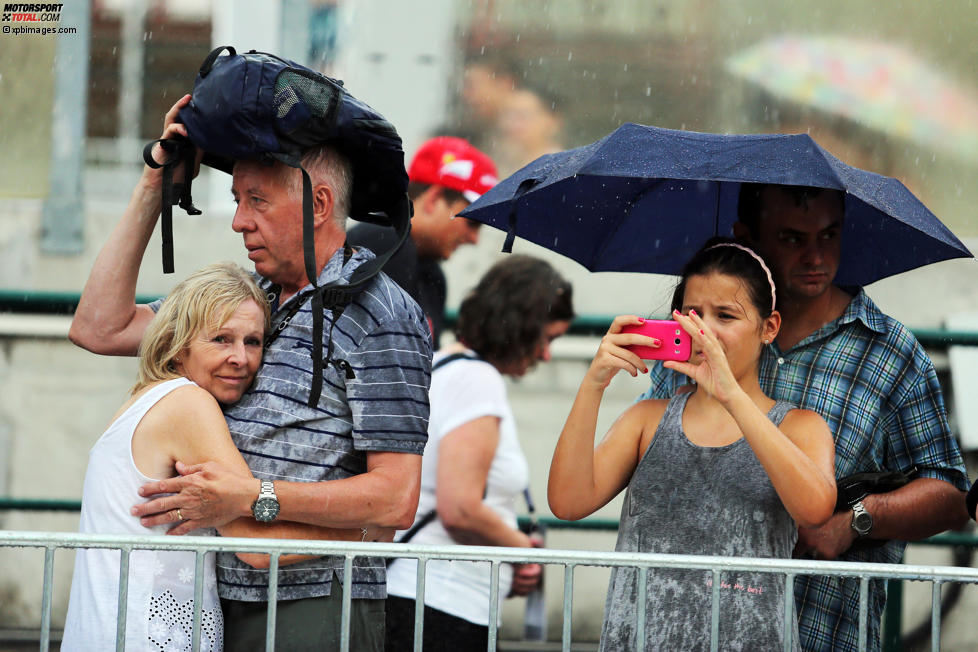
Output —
(442, 632)
(307, 624)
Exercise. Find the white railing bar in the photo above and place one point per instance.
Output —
(863, 613)
(422, 571)
(642, 595)
(198, 599)
(347, 598)
(715, 612)
(488, 553)
(789, 610)
(122, 607)
(568, 607)
(272, 612)
(493, 605)
(46, 598)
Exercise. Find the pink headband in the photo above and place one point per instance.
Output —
(760, 261)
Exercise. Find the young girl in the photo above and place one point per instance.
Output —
(719, 470)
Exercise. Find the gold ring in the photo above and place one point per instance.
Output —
(179, 515)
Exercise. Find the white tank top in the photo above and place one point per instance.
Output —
(161, 584)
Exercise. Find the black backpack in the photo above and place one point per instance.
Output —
(260, 106)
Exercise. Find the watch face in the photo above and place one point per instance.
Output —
(265, 509)
(863, 522)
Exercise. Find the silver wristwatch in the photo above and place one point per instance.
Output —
(862, 521)
(265, 508)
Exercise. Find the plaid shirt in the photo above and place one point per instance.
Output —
(865, 373)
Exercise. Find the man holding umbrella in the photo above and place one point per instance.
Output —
(866, 374)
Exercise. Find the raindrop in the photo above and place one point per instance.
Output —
(626, 67)
(648, 91)
(517, 37)
(570, 55)
(693, 80)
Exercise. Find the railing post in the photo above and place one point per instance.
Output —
(347, 597)
(568, 608)
(122, 607)
(789, 610)
(715, 612)
(935, 617)
(419, 604)
(46, 598)
(272, 610)
(863, 613)
(493, 606)
(198, 599)
(641, 613)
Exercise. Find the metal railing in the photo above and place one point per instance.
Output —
(569, 559)
(64, 303)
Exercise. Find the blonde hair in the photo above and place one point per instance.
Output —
(205, 299)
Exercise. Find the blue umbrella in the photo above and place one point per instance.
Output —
(643, 199)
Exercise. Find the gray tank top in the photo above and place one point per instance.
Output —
(693, 500)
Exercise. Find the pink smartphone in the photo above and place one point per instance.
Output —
(676, 343)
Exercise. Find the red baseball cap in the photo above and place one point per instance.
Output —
(454, 163)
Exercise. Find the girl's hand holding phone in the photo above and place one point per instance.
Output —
(711, 370)
(615, 354)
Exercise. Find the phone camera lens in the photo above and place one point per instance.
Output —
(678, 341)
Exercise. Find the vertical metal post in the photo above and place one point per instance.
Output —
(120, 627)
(295, 30)
(493, 606)
(641, 610)
(419, 604)
(130, 109)
(272, 602)
(62, 221)
(198, 599)
(715, 612)
(46, 598)
(347, 596)
(789, 610)
(568, 607)
(863, 612)
(935, 617)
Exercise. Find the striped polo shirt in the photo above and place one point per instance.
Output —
(384, 337)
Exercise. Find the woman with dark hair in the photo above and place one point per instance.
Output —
(721, 470)
(474, 471)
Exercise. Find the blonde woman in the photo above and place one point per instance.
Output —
(202, 350)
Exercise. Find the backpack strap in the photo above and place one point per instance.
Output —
(452, 358)
(184, 152)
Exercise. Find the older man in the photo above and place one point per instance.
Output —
(866, 374)
(350, 461)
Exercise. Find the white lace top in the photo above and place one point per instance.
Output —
(160, 610)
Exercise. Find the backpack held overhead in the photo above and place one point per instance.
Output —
(259, 106)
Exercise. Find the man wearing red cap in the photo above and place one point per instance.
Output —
(446, 174)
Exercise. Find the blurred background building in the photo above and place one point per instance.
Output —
(890, 87)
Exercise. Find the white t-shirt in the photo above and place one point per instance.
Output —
(161, 583)
(461, 391)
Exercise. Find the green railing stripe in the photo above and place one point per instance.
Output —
(64, 303)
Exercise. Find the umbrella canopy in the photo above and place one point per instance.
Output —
(644, 199)
(873, 83)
